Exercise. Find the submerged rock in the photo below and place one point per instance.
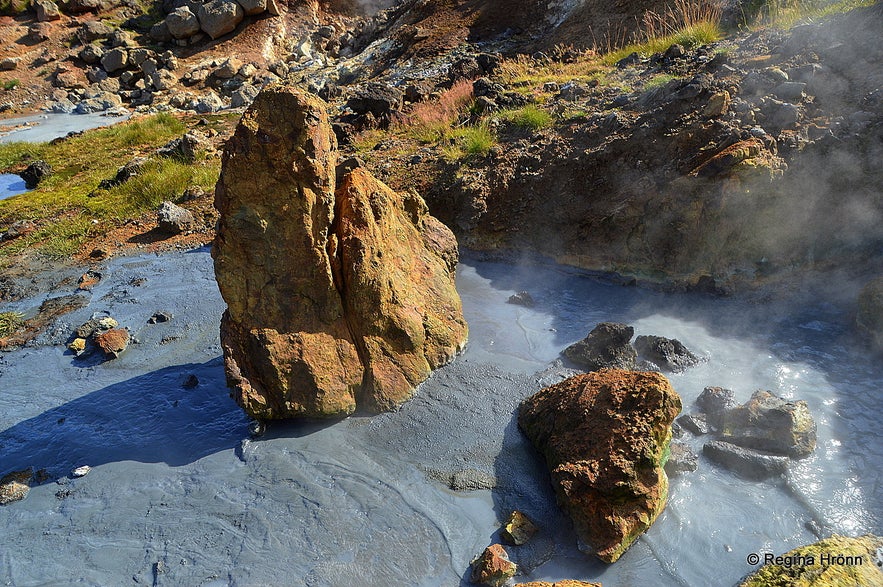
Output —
(681, 459)
(493, 567)
(834, 562)
(605, 437)
(336, 298)
(607, 346)
(670, 354)
(748, 463)
(769, 423)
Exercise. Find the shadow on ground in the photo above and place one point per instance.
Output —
(150, 418)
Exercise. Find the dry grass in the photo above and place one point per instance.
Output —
(429, 121)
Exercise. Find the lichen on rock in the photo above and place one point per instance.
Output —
(605, 436)
(337, 298)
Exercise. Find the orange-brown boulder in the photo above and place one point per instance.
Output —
(337, 298)
(605, 437)
(493, 567)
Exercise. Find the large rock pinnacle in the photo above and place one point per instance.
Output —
(335, 300)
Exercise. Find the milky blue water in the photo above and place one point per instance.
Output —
(177, 482)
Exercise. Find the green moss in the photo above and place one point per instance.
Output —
(67, 205)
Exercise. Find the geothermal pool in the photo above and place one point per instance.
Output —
(38, 128)
(179, 494)
(11, 185)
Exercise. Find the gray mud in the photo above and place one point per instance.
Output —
(179, 494)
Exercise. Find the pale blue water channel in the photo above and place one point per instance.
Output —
(180, 495)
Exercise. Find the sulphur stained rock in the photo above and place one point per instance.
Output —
(113, 342)
(14, 486)
(605, 437)
(518, 529)
(493, 567)
(333, 300)
(395, 264)
(834, 562)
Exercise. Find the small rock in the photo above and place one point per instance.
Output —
(228, 68)
(113, 342)
(114, 60)
(183, 148)
(715, 402)
(219, 17)
(46, 10)
(174, 219)
(78, 346)
(522, 298)
(182, 23)
(81, 471)
(88, 280)
(670, 354)
(769, 423)
(192, 382)
(606, 346)
(681, 459)
(15, 486)
(35, 173)
(493, 567)
(518, 529)
(8, 63)
(695, 423)
(95, 325)
(159, 317)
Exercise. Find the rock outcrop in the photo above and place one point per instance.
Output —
(605, 437)
(837, 560)
(337, 299)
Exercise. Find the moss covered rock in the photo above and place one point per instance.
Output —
(605, 437)
(837, 561)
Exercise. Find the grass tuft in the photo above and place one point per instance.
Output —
(529, 117)
(10, 322)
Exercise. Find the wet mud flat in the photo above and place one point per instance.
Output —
(180, 493)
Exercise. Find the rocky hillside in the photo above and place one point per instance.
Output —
(706, 161)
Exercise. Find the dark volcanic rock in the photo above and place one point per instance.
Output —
(378, 99)
(606, 347)
(715, 402)
(769, 423)
(336, 298)
(35, 173)
(670, 354)
(748, 463)
(605, 437)
(522, 298)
